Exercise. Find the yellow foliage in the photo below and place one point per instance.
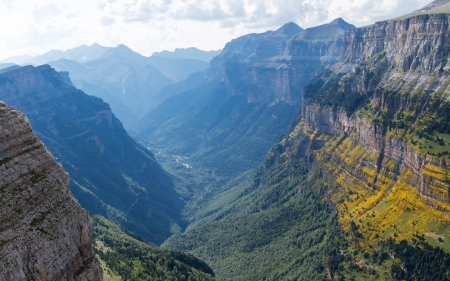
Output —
(370, 172)
(390, 206)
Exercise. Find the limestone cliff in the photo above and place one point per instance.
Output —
(376, 125)
(44, 232)
(277, 65)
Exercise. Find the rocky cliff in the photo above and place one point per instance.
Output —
(44, 232)
(418, 42)
(276, 65)
(377, 126)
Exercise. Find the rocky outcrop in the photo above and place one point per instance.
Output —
(44, 232)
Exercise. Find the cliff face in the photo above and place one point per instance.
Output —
(44, 232)
(419, 42)
(276, 65)
(376, 126)
(407, 55)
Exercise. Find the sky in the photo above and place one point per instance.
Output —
(148, 26)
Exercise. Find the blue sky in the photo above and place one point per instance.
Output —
(154, 25)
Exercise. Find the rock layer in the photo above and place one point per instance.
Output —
(44, 232)
(410, 58)
(419, 42)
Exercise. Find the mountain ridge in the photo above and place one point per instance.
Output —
(111, 173)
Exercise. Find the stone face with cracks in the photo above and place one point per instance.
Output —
(44, 232)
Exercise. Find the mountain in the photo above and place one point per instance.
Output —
(435, 7)
(177, 69)
(111, 174)
(16, 59)
(357, 188)
(125, 256)
(121, 77)
(188, 53)
(44, 232)
(6, 65)
(125, 79)
(79, 54)
(230, 115)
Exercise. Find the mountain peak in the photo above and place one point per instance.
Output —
(289, 29)
(123, 47)
(343, 24)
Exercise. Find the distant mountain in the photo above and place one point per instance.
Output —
(6, 65)
(110, 173)
(79, 54)
(230, 115)
(125, 79)
(188, 53)
(17, 59)
(178, 69)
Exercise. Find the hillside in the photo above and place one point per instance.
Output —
(125, 256)
(111, 173)
(360, 180)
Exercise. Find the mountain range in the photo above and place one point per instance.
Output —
(123, 78)
(298, 154)
(227, 117)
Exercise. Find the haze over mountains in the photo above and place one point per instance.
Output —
(125, 79)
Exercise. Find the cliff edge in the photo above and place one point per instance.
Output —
(44, 232)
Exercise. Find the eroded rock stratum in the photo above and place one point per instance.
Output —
(44, 232)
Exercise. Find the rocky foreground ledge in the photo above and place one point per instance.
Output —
(44, 232)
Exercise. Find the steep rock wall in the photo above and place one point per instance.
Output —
(399, 65)
(44, 232)
(419, 42)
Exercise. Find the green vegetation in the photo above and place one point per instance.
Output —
(419, 262)
(125, 256)
(215, 128)
(279, 228)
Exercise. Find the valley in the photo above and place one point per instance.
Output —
(317, 153)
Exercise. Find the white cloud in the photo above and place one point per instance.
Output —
(153, 25)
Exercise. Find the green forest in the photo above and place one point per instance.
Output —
(126, 257)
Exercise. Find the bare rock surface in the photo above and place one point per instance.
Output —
(44, 232)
